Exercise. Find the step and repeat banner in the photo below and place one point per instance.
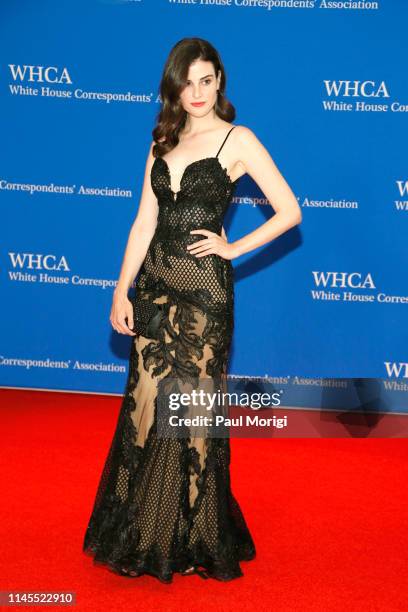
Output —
(323, 86)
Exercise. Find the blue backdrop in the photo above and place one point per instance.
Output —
(323, 86)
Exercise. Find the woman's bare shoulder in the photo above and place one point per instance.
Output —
(243, 131)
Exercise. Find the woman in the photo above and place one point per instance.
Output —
(164, 504)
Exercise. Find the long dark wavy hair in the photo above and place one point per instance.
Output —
(172, 116)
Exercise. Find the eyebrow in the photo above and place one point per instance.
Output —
(204, 77)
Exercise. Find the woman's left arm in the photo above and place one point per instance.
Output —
(259, 164)
(261, 167)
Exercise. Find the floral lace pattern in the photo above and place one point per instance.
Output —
(165, 503)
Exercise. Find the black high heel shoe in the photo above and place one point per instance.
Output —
(194, 569)
(129, 572)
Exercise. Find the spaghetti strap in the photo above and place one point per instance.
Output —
(225, 139)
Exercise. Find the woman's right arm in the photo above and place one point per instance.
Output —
(140, 236)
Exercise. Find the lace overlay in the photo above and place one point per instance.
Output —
(164, 504)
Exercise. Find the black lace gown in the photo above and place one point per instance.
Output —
(164, 504)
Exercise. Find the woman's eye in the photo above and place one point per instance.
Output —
(206, 81)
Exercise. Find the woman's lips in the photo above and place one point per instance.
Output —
(197, 103)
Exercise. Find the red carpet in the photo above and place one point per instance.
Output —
(328, 516)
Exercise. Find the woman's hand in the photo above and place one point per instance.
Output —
(121, 309)
(213, 244)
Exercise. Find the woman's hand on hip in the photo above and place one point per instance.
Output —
(213, 244)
